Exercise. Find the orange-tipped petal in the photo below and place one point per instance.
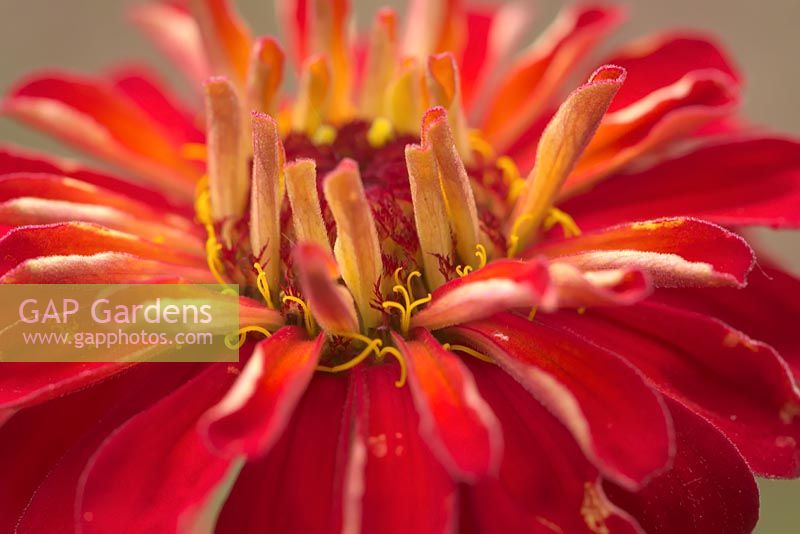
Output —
(99, 118)
(331, 304)
(308, 113)
(456, 186)
(430, 212)
(406, 98)
(265, 197)
(459, 426)
(535, 79)
(380, 65)
(301, 185)
(500, 286)
(560, 146)
(264, 76)
(227, 171)
(434, 26)
(225, 37)
(444, 89)
(175, 32)
(357, 248)
(329, 30)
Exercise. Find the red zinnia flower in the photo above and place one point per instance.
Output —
(430, 341)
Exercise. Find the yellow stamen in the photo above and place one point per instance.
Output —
(242, 336)
(266, 196)
(532, 314)
(455, 183)
(194, 151)
(357, 248)
(381, 63)
(325, 135)
(380, 132)
(308, 319)
(301, 185)
(397, 355)
(228, 176)
(202, 201)
(263, 285)
(567, 223)
(406, 99)
(430, 212)
(466, 350)
(264, 75)
(309, 108)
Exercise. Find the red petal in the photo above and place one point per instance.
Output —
(28, 384)
(182, 490)
(14, 160)
(663, 60)
(618, 420)
(740, 385)
(103, 268)
(59, 438)
(95, 116)
(80, 238)
(754, 181)
(767, 309)
(535, 78)
(297, 487)
(573, 288)
(499, 286)
(145, 89)
(674, 252)
(254, 413)
(175, 32)
(708, 490)
(545, 482)
(458, 425)
(396, 460)
(331, 303)
(646, 126)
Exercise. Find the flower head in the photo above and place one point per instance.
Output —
(469, 300)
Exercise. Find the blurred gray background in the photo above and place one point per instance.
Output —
(763, 37)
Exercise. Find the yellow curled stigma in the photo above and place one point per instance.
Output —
(480, 253)
(372, 345)
(235, 340)
(466, 350)
(194, 151)
(567, 223)
(263, 286)
(511, 178)
(397, 355)
(478, 144)
(513, 236)
(308, 319)
(408, 306)
(212, 256)
(202, 201)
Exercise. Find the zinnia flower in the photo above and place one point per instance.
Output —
(472, 301)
